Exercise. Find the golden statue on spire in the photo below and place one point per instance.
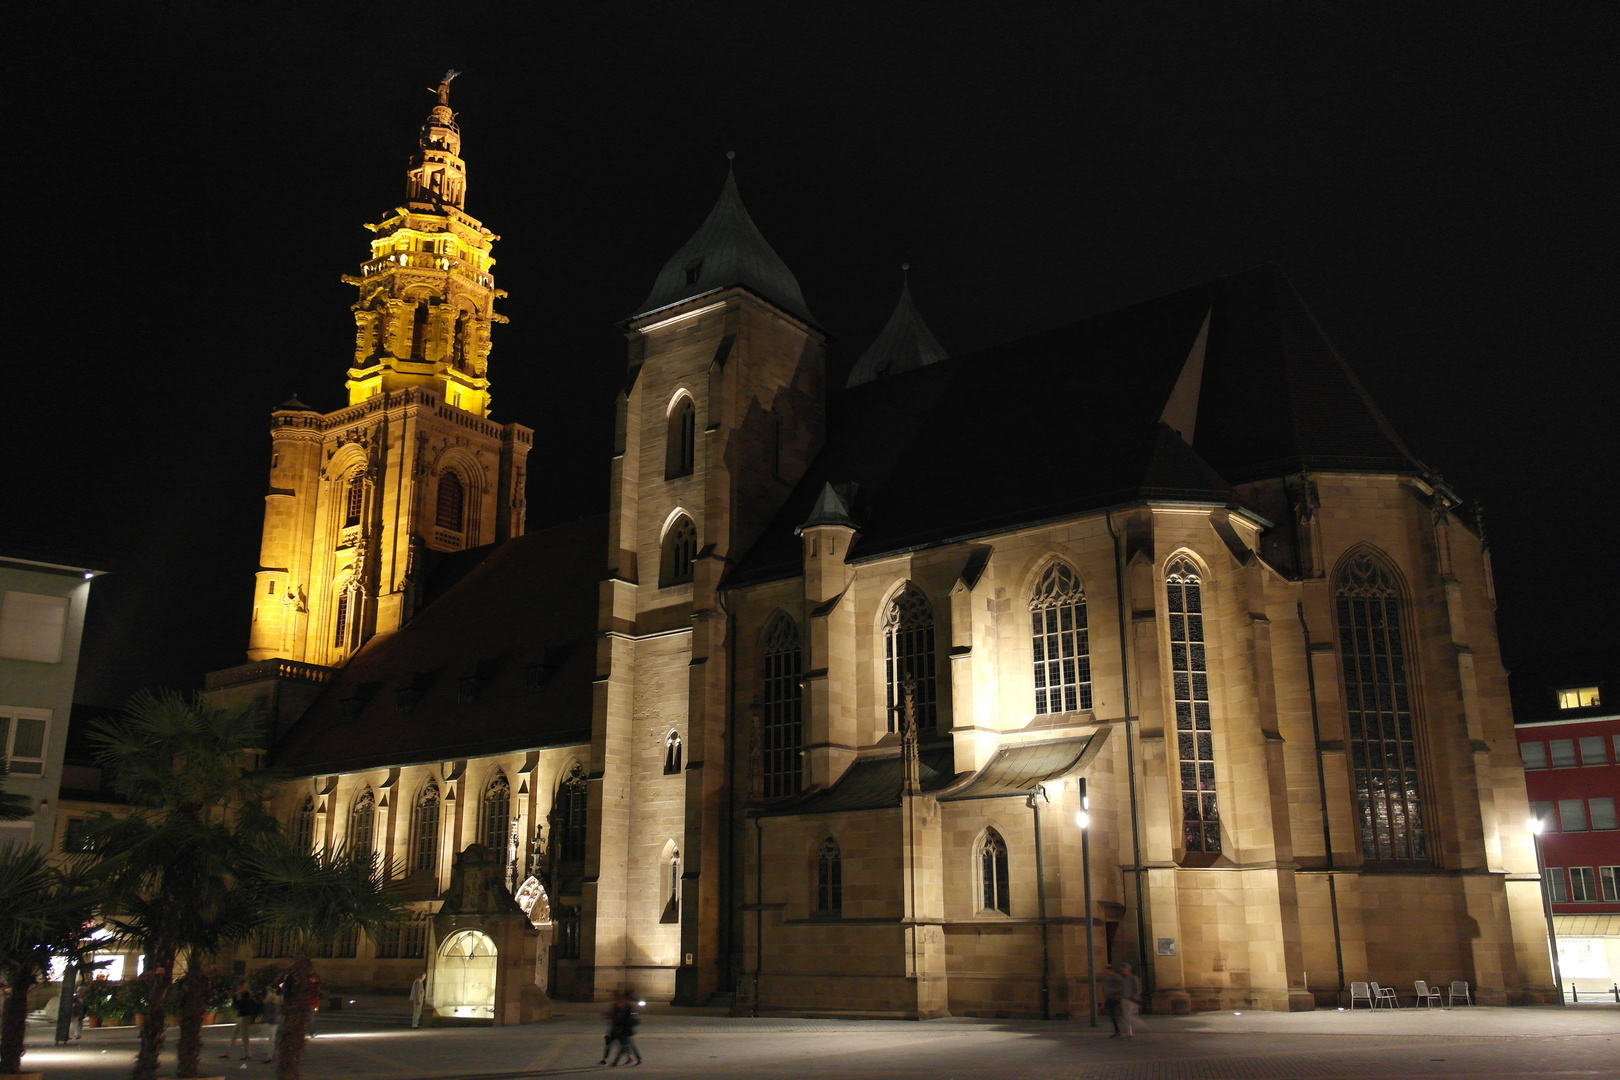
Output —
(444, 87)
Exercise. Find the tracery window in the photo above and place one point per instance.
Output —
(1060, 642)
(451, 501)
(572, 798)
(354, 500)
(426, 827)
(345, 611)
(672, 753)
(680, 551)
(303, 825)
(782, 710)
(1378, 703)
(908, 653)
(829, 878)
(497, 813)
(680, 448)
(419, 325)
(1195, 740)
(362, 820)
(993, 880)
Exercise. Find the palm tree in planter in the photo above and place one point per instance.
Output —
(173, 863)
(313, 898)
(43, 909)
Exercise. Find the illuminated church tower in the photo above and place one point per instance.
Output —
(413, 464)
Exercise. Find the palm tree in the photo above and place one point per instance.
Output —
(43, 908)
(313, 898)
(187, 772)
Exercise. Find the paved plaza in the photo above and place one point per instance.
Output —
(1523, 1043)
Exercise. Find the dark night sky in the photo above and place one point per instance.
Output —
(189, 181)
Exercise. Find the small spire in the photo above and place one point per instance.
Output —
(904, 343)
(832, 507)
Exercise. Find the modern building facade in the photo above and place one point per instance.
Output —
(42, 607)
(1569, 739)
(801, 722)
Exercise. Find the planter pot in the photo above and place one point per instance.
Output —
(210, 1019)
(92, 1021)
(139, 1020)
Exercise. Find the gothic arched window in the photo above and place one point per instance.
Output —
(1062, 651)
(343, 624)
(680, 448)
(1378, 701)
(354, 499)
(680, 551)
(829, 878)
(672, 888)
(497, 812)
(458, 343)
(782, 708)
(1195, 740)
(993, 880)
(425, 856)
(362, 822)
(451, 500)
(572, 798)
(303, 825)
(672, 753)
(908, 654)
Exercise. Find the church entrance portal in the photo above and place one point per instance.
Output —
(464, 977)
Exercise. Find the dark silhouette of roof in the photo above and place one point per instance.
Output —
(503, 660)
(728, 249)
(904, 343)
(1070, 420)
(871, 783)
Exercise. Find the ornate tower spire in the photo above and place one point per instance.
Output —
(438, 176)
(427, 297)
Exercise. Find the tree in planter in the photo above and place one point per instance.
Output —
(187, 772)
(313, 898)
(43, 909)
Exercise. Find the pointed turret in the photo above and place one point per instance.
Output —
(728, 249)
(905, 343)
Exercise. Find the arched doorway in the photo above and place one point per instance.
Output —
(464, 976)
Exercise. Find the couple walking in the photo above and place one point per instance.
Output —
(622, 1021)
(1122, 1000)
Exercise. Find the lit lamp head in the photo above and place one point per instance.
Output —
(1535, 825)
(1082, 819)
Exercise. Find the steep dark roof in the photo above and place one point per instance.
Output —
(1069, 420)
(728, 249)
(517, 632)
(904, 343)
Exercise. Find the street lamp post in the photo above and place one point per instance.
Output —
(1536, 826)
(1083, 819)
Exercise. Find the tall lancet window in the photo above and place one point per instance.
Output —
(782, 710)
(419, 328)
(1195, 741)
(458, 342)
(573, 798)
(1378, 703)
(497, 813)
(680, 451)
(829, 878)
(451, 505)
(303, 825)
(354, 499)
(1062, 651)
(362, 821)
(908, 654)
(680, 552)
(425, 856)
(993, 876)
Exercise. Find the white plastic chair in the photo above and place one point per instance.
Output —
(1459, 989)
(1427, 996)
(1385, 995)
(1360, 991)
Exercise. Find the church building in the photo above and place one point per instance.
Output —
(1143, 639)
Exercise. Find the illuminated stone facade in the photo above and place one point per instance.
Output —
(815, 740)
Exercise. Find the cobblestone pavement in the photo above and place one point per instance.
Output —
(1522, 1044)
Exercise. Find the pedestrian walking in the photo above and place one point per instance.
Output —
(1113, 988)
(271, 1018)
(419, 996)
(622, 1022)
(80, 1009)
(247, 1009)
(1130, 1000)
